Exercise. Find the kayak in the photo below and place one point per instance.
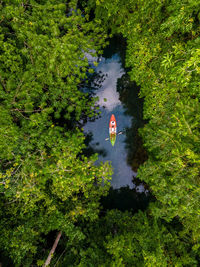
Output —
(112, 129)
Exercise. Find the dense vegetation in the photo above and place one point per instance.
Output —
(47, 184)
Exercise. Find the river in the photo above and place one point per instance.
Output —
(118, 96)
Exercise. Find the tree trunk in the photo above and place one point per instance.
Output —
(48, 260)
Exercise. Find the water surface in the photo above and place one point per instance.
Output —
(127, 114)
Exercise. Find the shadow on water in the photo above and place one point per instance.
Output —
(117, 45)
(126, 199)
(132, 103)
(89, 150)
(122, 99)
(129, 96)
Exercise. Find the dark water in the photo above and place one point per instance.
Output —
(118, 96)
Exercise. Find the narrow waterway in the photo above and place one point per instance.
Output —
(114, 95)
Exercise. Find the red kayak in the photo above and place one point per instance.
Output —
(112, 129)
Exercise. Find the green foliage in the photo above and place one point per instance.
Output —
(164, 59)
(127, 240)
(46, 183)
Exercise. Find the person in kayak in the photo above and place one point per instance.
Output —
(113, 126)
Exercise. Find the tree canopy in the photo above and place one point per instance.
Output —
(47, 184)
(164, 57)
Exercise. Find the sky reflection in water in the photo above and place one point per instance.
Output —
(123, 173)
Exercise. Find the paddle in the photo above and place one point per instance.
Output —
(121, 132)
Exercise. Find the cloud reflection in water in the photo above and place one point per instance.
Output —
(108, 89)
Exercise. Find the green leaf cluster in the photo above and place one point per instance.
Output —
(127, 240)
(164, 60)
(46, 183)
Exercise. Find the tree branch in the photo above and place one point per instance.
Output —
(48, 260)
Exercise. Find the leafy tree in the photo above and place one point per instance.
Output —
(46, 183)
(131, 240)
(164, 57)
